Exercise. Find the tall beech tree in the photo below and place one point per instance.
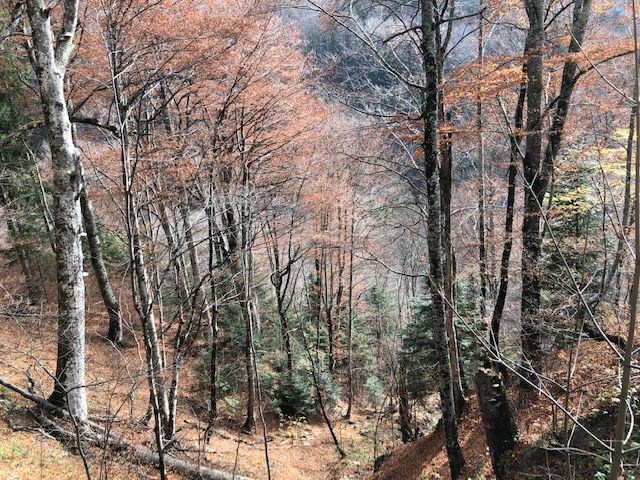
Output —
(51, 53)
(536, 174)
(436, 280)
(538, 162)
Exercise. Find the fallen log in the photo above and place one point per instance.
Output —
(98, 436)
(603, 336)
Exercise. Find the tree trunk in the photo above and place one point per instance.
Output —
(404, 407)
(280, 285)
(626, 210)
(140, 284)
(623, 405)
(350, 325)
(243, 285)
(514, 140)
(184, 318)
(535, 188)
(250, 422)
(284, 323)
(318, 295)
(44, 207)
(101, 437)
(538, 171)
(144, 306)
(50, 66)
(108, 297)
(213, 234)
(434, 239)
(196, 277)
(449, 271)
(13, 23)
(316, 383)
(482, 238)
(497, 419)
(331, 335)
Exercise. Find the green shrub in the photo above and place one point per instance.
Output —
(293, 395)
(374, 389)
(330, 390)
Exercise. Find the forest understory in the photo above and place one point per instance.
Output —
(297, 449)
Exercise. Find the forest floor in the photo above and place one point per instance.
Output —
(118, 395)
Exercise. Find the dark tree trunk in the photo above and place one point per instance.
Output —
(434, 239)
(538, 171)
(497, 419)
(514, 140)
(100, 270)
(244, 265)
(482, 237)
(535, 178)
(404, 407)
(315, 364)
(350, 311)
(281, 280)
(284, 328)
(331, 335)
(250, 421)
(450, 269)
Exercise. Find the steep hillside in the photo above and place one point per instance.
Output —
(540, 427)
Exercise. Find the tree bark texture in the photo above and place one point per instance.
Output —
(50, 64)
(497, 419)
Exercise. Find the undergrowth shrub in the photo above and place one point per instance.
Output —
(293, 394)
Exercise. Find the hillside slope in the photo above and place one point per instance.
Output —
(536, 455)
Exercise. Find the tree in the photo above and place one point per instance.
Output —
(404, 93)
(620, 439)
(538, 164)
(535, 174)
(11, 25)
(51, 59)
(18, 190)
(111, 303)
(430, 106)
